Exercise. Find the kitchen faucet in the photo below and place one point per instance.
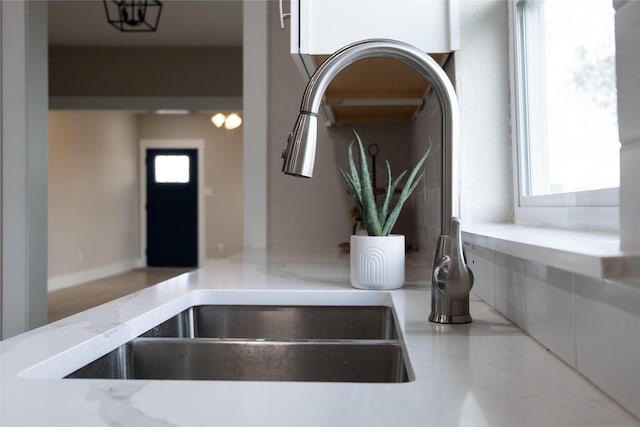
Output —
(452, 279)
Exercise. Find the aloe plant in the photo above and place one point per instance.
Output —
(378, 219)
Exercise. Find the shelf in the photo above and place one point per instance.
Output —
(376, 90)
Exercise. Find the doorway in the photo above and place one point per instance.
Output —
(172, 209)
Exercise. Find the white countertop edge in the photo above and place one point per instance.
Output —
(594, 254)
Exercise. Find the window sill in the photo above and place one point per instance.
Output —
(593, 254)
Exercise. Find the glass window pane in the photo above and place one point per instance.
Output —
(572, 129)
(171, 169)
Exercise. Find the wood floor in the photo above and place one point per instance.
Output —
(68, 301)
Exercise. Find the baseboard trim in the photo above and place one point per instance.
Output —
(68, 280)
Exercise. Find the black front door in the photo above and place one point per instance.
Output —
(172, 207)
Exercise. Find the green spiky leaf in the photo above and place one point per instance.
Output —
(379, 221)
(409, 186)
(374, 228)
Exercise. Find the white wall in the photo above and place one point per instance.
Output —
(24, 170)
(482, 84)
(255, 29)
(223, 174)
(93, 191)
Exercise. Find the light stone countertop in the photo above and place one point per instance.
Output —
(486, 373)
(590, 253)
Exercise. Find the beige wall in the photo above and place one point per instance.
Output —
(94, 187)
(223, 174)
(93, 190)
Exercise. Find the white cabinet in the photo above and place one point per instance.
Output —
(375, 90)
(320, 27)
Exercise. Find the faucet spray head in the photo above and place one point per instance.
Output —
(299, 155)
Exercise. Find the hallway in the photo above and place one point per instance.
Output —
(68, 301)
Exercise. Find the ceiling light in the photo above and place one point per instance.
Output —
(218, 120)
(180, 112)
(133, 15)
(230, 122)
(233, 121)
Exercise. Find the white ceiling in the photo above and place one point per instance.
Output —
(182, 23)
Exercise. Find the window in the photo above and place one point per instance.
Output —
(566, 130)
(171, 169)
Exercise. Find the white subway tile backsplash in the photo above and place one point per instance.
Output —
(618, 4)
(509, 288)
(608, 338)
(630, 195)
(480, 260)
(549, 313)
(593, 325)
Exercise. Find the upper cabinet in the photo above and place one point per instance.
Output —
(374, 90)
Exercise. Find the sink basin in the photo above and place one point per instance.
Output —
(262, 343)
(280, 322)
(211, 359)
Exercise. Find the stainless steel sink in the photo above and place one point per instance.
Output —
(280, 322)
(263, 343)
(212, 359)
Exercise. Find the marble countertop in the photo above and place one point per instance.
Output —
(486, 373)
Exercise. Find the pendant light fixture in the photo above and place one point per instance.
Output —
(133, 15)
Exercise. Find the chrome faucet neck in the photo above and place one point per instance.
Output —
(423, 63)
(300, 152)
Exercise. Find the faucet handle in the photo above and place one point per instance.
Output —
(459, 273)
(451, 275)
(439, 278)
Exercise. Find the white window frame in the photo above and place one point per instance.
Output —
(591, 210)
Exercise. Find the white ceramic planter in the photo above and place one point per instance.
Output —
(377, 262)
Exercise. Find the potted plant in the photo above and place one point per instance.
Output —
(377, 260)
